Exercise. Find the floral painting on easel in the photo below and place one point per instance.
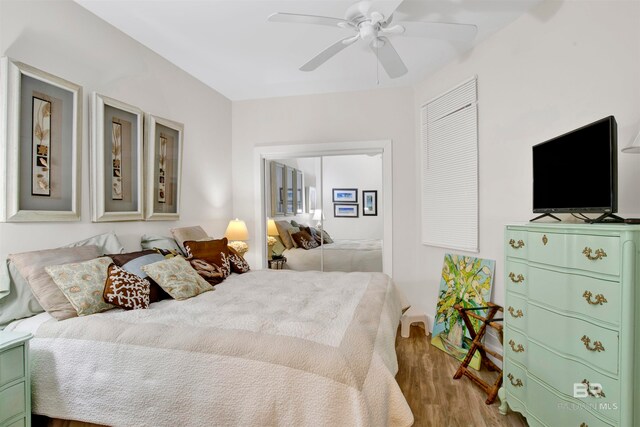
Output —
(466, 281)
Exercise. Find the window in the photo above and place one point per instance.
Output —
(449, 132)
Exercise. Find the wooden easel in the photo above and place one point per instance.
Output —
(477, 345)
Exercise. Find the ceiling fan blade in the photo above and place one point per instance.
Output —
(388, 58)
(295, 18)
(439, 30)
(385, 7)
(327, 54)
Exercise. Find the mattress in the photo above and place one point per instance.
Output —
(341, 255)
(264, 348)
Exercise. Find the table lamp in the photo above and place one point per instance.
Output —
(318, 216)
(236, 233)
(272, 231)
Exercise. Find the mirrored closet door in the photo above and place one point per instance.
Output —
(325, 213)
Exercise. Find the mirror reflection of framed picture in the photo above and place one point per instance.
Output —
(341, 210)
(345, 195)
(369, 202)
(163, 168)
(117, 191)
(41, 122)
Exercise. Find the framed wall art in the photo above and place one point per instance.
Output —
(369, 202)
(117, 192)
(41, 123)
(341, 210)
(163, 168)
(345, 195)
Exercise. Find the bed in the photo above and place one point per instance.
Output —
(341, 255)
(264, 348)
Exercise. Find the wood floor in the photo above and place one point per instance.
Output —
(425, 376)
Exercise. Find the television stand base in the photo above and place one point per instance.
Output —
(544, 215)
(606, 217)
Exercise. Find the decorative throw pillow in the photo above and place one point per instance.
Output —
(126, 290)
(83, 283)
(168, 253)
(107, 243)
(282, 227)
(294, 223)
(238, 263)
(31, 266)
(152, 241)
(304, 240)
(176, 276)
(325, 236)
(291, 231)
(207, 271)
(183, 234)
(132, 262)
(19, 302)
(215, 252)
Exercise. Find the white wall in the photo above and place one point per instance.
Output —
(564, 65)
(64, 39)
(386, 114)
(362, 172)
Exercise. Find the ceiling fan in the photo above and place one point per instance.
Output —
(374, 28)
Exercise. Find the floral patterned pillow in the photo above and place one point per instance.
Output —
(238, 263)
(176, 276)
(83, 283)
(304, 240)
(126, 290)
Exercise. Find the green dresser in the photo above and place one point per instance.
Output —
(572, 324)
(15, 383)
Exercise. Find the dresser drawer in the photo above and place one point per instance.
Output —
(575, 293)
(22, 422)
(553, 410)
(11, 364)
(600, 254)
(515, 346)
(12, 402)
(515, 313)
(515, 379)
(516, 243)
(575, 338)
(570, 378)
(517, 277)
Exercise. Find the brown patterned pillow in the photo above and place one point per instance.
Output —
(238, 263)
(215, 252)
(304, 240)
(132, 262)
(208, 272)
(126, 290)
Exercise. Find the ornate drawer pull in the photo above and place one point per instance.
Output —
(597, 345)
(545, 240)
(516, 383)
(516, 348)
(516, 245)
(600, 299)
(598, 390)
(584, 425)
(516, 279)
(600, 253)
(518, 313)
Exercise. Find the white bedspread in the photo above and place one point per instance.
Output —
(264, 348)
(341, 255)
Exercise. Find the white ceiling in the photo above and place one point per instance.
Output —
(230, 46)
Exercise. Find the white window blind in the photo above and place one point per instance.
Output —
(449, 131)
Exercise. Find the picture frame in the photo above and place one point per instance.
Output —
(345, 210)
(277, 189)
(163, 166)
(117, 160)
(369, 202)
(311, 199)
(344, 195)
(290, 177)
(40, 158)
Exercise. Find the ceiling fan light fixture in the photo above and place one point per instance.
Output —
(368, 31)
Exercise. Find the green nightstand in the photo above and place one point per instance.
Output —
(15, 382)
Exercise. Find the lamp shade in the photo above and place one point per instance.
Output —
(237, 230)
(634, 147)
(318, 215)
(272, 230)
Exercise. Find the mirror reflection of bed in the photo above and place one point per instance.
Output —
(325, 212)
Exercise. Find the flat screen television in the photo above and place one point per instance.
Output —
(578, 171)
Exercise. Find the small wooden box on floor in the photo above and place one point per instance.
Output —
(15, 382)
